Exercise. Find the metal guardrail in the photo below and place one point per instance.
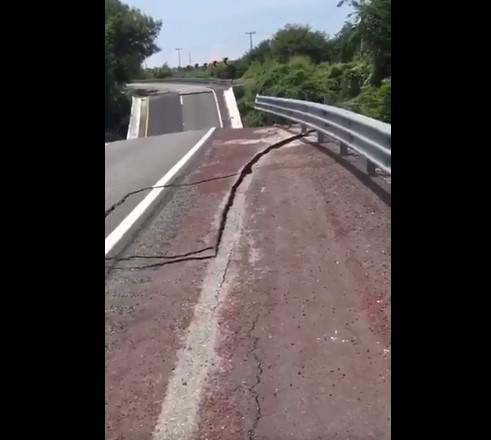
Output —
(366, 136)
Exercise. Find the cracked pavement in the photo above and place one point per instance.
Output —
(254, 393)
(136, 164)
(272, 321)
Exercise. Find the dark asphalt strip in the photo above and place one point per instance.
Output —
(164, 114)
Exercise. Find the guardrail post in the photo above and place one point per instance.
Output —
(371, 168)
(321, 138)
(343, 149)
(303, 128)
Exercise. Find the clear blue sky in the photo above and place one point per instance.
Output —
(213, 29)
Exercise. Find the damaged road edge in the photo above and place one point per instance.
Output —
(117, 234)
(245, 171)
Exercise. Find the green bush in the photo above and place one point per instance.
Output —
(351, 70)
(343, 84)
(118, 108)
(374, 102)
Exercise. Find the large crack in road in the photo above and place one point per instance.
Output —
(170, 185)
(253, 389)
(194, 255)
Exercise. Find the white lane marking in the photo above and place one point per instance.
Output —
(198, 359)
(218, 108)
(180, 99)
(120, 230)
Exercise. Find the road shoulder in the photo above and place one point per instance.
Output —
(304, 335)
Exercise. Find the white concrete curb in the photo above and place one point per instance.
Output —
(134, 124)
(233, 110)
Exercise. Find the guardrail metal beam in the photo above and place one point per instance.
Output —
(366, 136)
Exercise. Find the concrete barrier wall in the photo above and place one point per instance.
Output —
(233, 110)
(133, 126)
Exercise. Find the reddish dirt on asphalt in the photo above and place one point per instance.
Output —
(303, 335)
(305, 332)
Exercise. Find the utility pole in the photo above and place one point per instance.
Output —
(189, 55)
(179, 55)
(250, 37)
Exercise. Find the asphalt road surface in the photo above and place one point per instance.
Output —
(164, 114)
(139, 163)
(172, 112)
(255, 303)
(183, 107)
(199, 111)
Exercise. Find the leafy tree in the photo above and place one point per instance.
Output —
(129, 39)
(130, 36)
(351, 70)
(299, 40)
(374, 23)
(260, 53)
(347, 43)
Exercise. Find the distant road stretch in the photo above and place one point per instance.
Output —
(172, 112)
(182, 107)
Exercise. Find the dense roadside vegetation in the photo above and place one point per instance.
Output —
(350, 70)
(130, 39)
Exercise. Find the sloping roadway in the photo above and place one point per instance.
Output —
(178, 117)
(136, 164)
(182, 107)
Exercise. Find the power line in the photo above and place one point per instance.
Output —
(250, 37)
(179, 54)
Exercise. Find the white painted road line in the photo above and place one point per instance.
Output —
(218, 108)
(197, 359)
(115, 236)
(180, 99)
